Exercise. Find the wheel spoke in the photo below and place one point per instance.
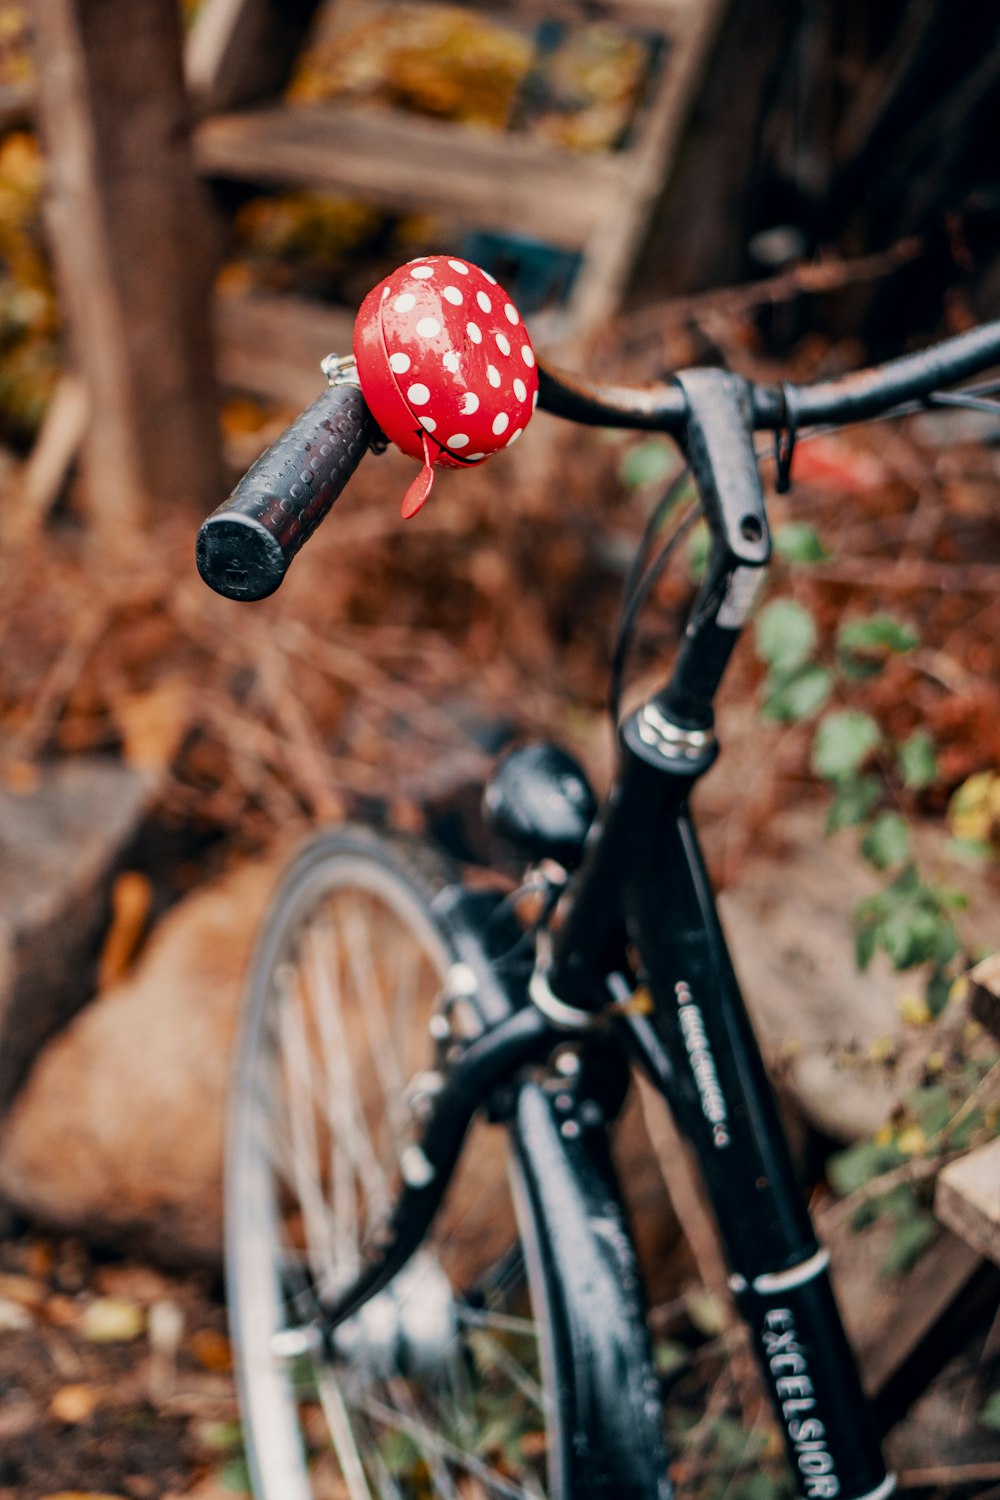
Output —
(299, 1103)
(398, 1420)
(414, 1400)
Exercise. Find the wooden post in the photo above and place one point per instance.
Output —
(132, 243)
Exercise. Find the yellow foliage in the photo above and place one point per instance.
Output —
(912, 1141)
(435, 60)
(913, 1009)
(974, 810)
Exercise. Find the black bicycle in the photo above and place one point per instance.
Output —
(433, 1288)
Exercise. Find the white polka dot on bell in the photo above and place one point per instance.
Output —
(459, 266)
(475, 332)
(484, 302)
(451, 361)
(520, 390)
(458, 440)
(510, 312)
(405, 303)
(418, 395)
(472, 457)
(514, 437)
(493, 376)
(428, 328)
(470, 403)
(453, 295)
(500, 423)
(399, 363)
(422, 273)
(428, 424)
(503, 342)
(491, 279)
(527, 355)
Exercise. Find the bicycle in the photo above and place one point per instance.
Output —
(391, 1343)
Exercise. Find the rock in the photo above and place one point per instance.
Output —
(60, 846)
(118, 1131)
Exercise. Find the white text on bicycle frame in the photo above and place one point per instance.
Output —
(706, 1077)
(795, 1391)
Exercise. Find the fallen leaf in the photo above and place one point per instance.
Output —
(62, 1311)
(112, 1320)
(21, 777)
(131, 898)
(74, 1404)
(166, 1326)
(23, 1289)
(211, 1350)
(82, 1495)
(13, 1316)
(134, 1283)
(153, 724)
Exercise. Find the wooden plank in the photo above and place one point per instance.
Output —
(984, 994)
(406, 162)
(967, 1198)
(887, 1317)
(242, 51)
(56, 447)
(613, 245)
(129, 222)
(272, 346)
(656, 16)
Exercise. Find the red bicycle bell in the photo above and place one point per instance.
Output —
(445, 365)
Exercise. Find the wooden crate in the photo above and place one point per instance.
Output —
(597, 206)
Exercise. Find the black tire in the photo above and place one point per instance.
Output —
(440, 1394)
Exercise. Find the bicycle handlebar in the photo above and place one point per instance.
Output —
(850, 398)
(245, 547)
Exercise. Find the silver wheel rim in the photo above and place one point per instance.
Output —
(304, 1185)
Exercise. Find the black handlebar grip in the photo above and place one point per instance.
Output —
(245, 547)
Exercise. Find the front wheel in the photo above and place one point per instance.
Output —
(442, 1384)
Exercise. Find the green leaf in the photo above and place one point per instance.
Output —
(970, 851)
(235, 1476)
(887, 842)
(968, 1126)
(912, 934)
(698, 548)
(648, 462)
(938, 993)
(786, 636)
(989, 1416)
(853, 799)
(843, 741)
(931, 1106)
(851, 1169)
(910, 1239)
(798, 542)
(669, 1356)
(900, 1203)
(879, 633)
(917, 761)
(865, 943)
(799, 696)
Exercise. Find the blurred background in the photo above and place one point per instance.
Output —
(193, 201)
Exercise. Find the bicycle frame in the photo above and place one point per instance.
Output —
(641, 911)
